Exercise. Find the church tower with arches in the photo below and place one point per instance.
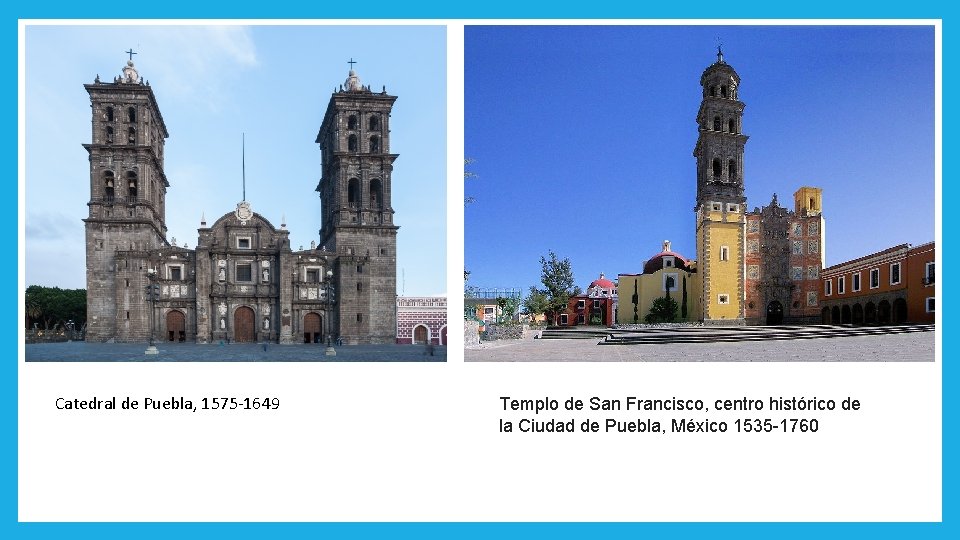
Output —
(720, 212)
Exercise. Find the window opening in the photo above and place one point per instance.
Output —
(244, 272)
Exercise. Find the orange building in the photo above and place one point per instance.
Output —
(921, 283)
(892, 286)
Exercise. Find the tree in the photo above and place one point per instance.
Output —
(536, 303)
(557, 278)
(55, 306)
(664, 309)
(683, 306)
(508, 309)
(466, 176)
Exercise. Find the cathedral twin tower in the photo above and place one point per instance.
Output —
(242, 283)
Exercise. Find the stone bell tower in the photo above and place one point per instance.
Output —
(126, 207)
(356, 212)
(720, 206)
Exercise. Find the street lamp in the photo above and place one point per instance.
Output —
(153, 294)
(330, 351)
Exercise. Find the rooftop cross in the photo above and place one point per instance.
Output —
(351, 62)
(131, 53)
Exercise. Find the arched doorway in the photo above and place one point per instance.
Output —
(857, 314)
(443, 335)
(774, 312)
(845, 314)
(835, 315)
(883, 312)
(825, 316)
(870, 313)
(244, 327)
(312, 328)
(176, 326)
(420, 335)
(899, 311)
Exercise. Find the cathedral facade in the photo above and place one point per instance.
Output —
(242, 283)
(759, 267)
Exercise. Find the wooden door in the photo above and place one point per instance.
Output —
(243, 325)
(420, 334)
(312, 328)
(176, 326)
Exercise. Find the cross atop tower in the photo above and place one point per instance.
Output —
(131, 53)
(351, 62)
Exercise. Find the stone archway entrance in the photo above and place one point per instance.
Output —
(899, 311)
(244, 326)
(312, 328)
(857, 314)
(825, 316)
(443, 335)
(883, 312)
(176, 326)
(420, 335)
(775, 312)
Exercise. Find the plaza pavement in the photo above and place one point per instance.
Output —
(908, 347)
(79, 351)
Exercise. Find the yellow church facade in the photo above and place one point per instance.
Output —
(666, 273)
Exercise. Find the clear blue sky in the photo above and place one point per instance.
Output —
(583, 138)
(212, 84)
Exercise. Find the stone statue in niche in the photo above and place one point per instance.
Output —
(222, 275)
(266, 323)
(223, 323)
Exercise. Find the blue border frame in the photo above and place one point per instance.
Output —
(10, 528)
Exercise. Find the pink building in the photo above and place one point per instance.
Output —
(421, 320)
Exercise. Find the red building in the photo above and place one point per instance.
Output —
(893, 286)
(596, 307)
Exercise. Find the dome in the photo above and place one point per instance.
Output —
(719, 70)
(602, 283)
(657, 261)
